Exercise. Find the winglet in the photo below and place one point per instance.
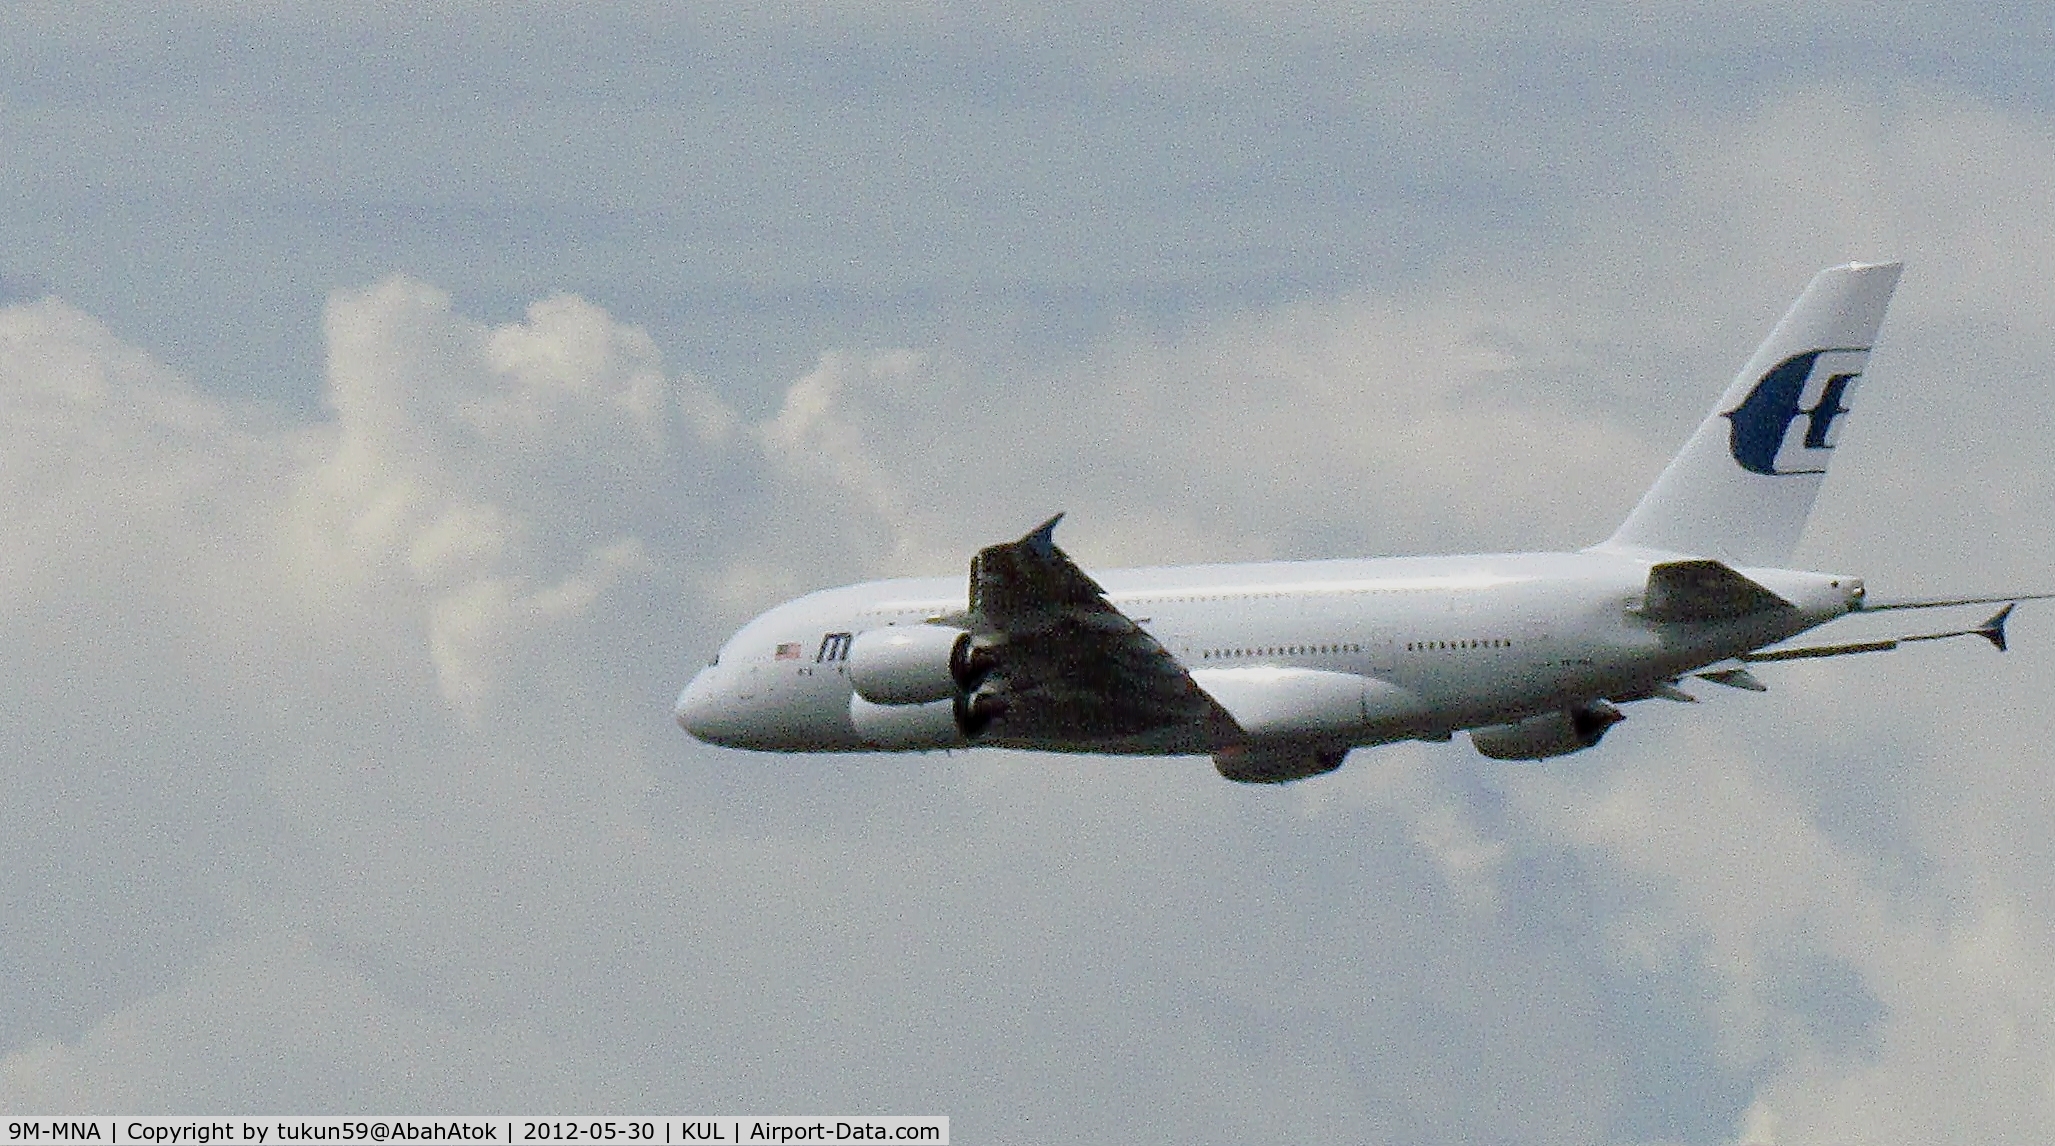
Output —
(1042, 540)
(1993, 630)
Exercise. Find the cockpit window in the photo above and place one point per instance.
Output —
(715, 661)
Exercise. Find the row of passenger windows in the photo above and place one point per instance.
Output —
(1319, 650)
(1280, 651)
(1124, 600)
(1482, 643)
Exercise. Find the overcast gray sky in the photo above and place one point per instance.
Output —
(398, 402)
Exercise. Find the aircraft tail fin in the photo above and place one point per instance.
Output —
(1742, 486)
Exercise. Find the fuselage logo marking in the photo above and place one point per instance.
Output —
(834, 647)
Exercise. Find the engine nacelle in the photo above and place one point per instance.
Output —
(1550, 734)
(907, 727)
(915, 664)
(953, 723)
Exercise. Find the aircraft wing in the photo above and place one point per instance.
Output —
(1067, 665)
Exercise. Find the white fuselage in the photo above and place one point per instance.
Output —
(1450, 642)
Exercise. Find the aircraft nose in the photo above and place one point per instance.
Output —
(694, 709)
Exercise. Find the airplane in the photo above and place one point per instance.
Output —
(1277, 670)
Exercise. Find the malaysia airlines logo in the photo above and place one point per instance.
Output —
(1812, 386)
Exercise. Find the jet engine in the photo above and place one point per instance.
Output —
(951, 723)
(906, 727)
(1550, 734)
(915, 664)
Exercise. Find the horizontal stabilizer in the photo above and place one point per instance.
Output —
(1735, 678)
(1992, 630)
(1875, 606)
(1683, 592)
(1817, 651)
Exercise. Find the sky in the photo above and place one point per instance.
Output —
(397, 403)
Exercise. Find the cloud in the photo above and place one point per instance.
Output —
(418, 790)
(124, 646)
(1266, 431)
(264, 1013)
(344, 777)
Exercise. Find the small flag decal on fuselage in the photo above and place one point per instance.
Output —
(788, 652)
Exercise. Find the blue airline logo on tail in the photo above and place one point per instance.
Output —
(1761, 424)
